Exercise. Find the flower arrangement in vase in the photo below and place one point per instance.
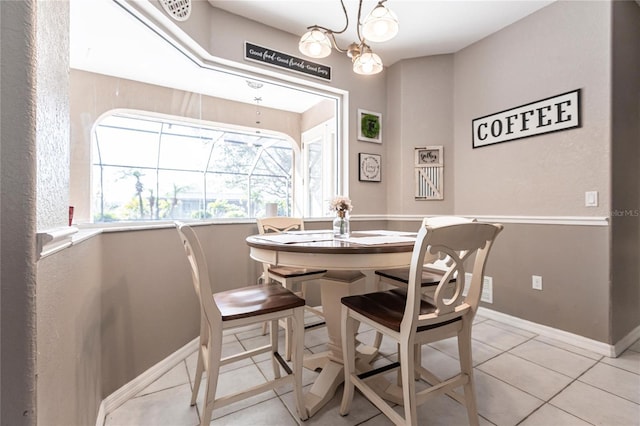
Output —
(342, 206)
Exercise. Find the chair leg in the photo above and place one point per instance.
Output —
(298, 351)
(377, 341)
(215, 355)
(349, 329)
(288, 338)
(417, 359)
(466, 367)
(273, 337)
(198, 377)
(407, 369)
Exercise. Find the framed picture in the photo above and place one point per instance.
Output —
(369, 126)
(370, 167)
(429, 173)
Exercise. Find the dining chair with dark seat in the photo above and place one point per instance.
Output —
(294, 279)
(412, 320)
(240, 307)
(432, 271)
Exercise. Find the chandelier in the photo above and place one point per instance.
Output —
(380, 25)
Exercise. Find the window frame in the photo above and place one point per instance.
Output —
(296, 171)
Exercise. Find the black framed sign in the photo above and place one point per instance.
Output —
(560, 112)
(264, 55)
(370, 167)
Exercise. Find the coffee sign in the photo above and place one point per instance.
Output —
(553, 114)
(272, 57)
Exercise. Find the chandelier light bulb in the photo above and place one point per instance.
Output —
(367, 63)
(381, 24)
(315, 44)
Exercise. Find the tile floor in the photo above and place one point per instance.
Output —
(521, 379)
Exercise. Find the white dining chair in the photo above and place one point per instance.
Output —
(406, 317)
(432, 271)
(237, 308)
(294, 279)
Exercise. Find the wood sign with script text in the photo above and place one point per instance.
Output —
(272, 57)
(552, 114)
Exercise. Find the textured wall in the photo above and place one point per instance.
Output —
(420, 113)
(69, 335)
(432, 101)
(17, 212)
(52, 123)
(149, 308)
(540, 56)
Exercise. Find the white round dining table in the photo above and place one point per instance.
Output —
(361, 251)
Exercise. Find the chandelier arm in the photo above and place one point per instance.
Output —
(329, 30)
(359, 24)
(346, 17)
(335, 44)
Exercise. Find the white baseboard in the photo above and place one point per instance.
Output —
(136, 385)
(595, 346)
(101, 415)
(627, 341)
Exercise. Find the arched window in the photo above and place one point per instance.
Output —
(156, 168)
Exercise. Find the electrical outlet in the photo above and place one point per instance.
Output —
(591, 199)
(536, 282)
(467, 283)
(487, 287)
(487, 290)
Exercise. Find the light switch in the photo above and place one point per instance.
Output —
(591, 199)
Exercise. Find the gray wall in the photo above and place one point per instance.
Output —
(564, 46)
(625, 170)
(420, 111)
(547, 175)
(436, 98)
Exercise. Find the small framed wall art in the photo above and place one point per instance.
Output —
(369, 126)
(370, 167)
(429, 173)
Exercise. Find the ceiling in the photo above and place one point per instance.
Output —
(106, 39)
(426, 27)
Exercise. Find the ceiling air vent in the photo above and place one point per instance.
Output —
(178, 9)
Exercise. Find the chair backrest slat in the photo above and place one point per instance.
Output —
(279, 224)
(458, 243)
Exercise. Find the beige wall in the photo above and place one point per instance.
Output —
(228, 33)
(434, 100)
(625, 170)
(540, 56)
(93, 95)
(70, 343)
(420, 112)
(318, 114)
(142, 277)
